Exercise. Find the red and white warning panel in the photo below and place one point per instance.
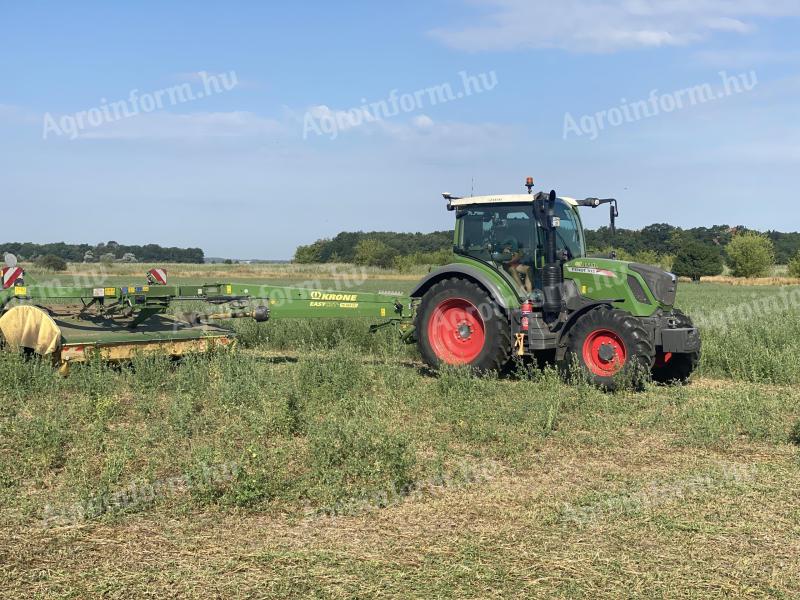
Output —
(12, 275)
(157, 276)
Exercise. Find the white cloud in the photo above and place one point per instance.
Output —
(423, 122)
(608, 25)
(419, 129)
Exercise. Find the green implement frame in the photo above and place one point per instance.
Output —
(118, 321)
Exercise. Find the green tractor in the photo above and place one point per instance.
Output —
(522, 285)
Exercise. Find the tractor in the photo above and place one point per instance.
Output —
(522, 285)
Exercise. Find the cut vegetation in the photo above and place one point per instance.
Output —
(319, 460)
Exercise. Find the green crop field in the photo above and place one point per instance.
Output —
(318, 460)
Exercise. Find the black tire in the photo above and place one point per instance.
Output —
(610, 347)
(490, 351)
(679, 367)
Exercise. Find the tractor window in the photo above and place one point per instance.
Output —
(569, 236)
(499, 234)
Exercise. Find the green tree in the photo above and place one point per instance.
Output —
(696, 260)
(750, 254)
(409, 262)
(794, 266)
(311, 253)
(374, 253)
(51, 262)
(647, 257)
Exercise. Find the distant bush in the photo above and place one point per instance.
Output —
(666, 261)
(374, 253)
(696, 260)
(647, 257)
(750, 254)
(794, 266)
(309, 254)
(51, 262)
(407, 263)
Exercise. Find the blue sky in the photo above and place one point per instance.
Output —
(243, 172)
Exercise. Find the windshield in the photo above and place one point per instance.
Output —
(569, 235)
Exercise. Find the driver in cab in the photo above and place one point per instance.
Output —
(513, 264)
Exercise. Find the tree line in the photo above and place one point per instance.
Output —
(108, 251)
(380, 249)
(665, 239)
(696, 252)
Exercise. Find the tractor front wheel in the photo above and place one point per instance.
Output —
(610, 346)
(458, 323)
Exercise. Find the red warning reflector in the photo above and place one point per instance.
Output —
(157, 276)
(11, 275)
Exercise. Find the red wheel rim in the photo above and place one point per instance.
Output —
(456, 331)
(604, 352)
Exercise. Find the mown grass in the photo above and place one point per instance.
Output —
(289, 445)
(318, 428)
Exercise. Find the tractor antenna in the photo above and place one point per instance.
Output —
(472, 189)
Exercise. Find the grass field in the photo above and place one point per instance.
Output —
(317, 460)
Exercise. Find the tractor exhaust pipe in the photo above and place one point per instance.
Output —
(552, 272)
(550, 249)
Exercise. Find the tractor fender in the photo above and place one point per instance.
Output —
(465, 272)
(570, 322)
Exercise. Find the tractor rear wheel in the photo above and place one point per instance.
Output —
(458, 323)
(610, 346)
(676, 368)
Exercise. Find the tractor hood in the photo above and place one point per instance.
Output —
(638, 288)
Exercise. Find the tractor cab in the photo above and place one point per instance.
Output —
(504, 232)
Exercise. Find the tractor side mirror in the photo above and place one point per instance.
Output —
(613, 217)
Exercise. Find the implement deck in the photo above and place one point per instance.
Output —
(160, 333)
(71, 324)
